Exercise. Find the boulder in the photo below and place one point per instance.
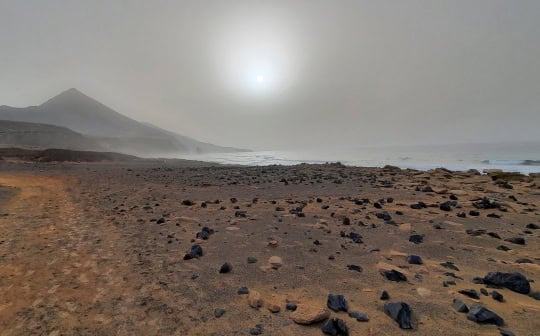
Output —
(481, 314)
(516, 281)
(400, 312)
(307, 314)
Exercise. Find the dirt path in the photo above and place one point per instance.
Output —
(58, 272)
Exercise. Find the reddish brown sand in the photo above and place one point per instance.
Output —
(81, 252)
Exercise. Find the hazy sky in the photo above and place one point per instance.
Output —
(275, 74)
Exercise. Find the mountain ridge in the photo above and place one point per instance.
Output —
(112, 130)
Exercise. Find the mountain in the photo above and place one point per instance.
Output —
(35, 135)
(109, 129)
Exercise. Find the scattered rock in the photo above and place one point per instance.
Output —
(401, 313)
(337, 303)
(516, 282)
(384, 295)
(335, 327)
(416, 238)
(218, 312)
(394, 275)
(516, 240)
(305, 314)
(251, 260)
(290, 306)
(360, 317)
(356, 268)
(460, 306)
(195, 252)
(225, 268)
(473, 294)
(480, 314)
(276, 262)
(273, 308)
(497, 296)
(414, 259)
(254, 299)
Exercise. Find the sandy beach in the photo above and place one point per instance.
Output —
(107, 249)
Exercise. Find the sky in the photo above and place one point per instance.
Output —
(287, 74)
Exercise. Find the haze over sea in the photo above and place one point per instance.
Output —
(520, 157)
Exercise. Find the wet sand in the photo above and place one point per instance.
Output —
(98, 249)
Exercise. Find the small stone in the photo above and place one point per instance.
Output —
(416, 238)
(400, 312)
(497, 296)
(460, 306)
(360, 317)
(414, 259)
(335, 327)
(251, 260)
(337, 303)
(218, 312)
(394, 275)
(273, 308)
(257, 330)
(275, 261)
(254, 299)
(516, 240)
(356, 268)
(290, 306)
(384, 295)
(305, 314)
(470, 293)
(225, 268)
(243, 291)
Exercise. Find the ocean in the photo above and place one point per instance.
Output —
(519, 157)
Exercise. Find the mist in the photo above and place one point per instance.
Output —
(282, 74)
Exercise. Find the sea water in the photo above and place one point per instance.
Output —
(519, 157)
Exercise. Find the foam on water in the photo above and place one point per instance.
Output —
(524, 158)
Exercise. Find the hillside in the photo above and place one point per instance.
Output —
(108, 128)
(16, 133)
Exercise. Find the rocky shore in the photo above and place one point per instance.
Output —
(172, 248)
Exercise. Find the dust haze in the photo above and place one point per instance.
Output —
(283, 74)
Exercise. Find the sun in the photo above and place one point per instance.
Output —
(260, 79)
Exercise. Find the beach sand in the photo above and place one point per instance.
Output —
(98, 248)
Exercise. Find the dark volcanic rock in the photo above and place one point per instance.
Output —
(384, 295)
(225, 268)
(480, 314)
(195, 252)
(394, 275)
(533, 226)
(243, 290)
(337, 303)
(416, 238)
(257, 330)
(400, 312)
(414, 259)
(218, 312)
(356, 268)
(187, 202)
(497, 296)
(335, 327)
(470, 293)
(516, 240)
(449, 265)
(360, 317)
(460, 306)
(516, 282)
(290, 306)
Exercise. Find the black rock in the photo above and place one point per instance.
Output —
(394, 275)
(446, 206)
(449, 265)
(414, 259)
(535, 295)
(160, 221)
(202, 235)
(470, 293)
(225, 268)
(506, 332)
(418, 206)
(533, 226)
(337, 303)
(516, 240)
(240, 213)
(355, 237)
(503, 248)
(356, 268)
(346, 221)
(494, 235)
(461, 214)
(484, 291)
(360, 317)
(447, 283)
(416, 238)
(497, 296)
(384, 295)
(524, 261)
(474, 213)
(257, 330)
(460, 306)
(516, 282)
(400, 312)
(251, 260)
(480, 314)
(243, 290)
(218, 312)
(335, 327)
(290, 306)
(187, 202)
(377, 205)
(195, 252)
